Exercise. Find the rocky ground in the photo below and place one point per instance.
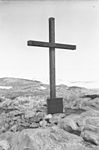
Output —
(25, 124)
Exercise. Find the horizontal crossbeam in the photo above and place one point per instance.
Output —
(54, 45)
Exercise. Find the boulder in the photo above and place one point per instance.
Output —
(41, 139)
(90, 137)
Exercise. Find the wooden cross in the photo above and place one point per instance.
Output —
(55, 105)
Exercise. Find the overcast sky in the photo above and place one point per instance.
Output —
(75, 23)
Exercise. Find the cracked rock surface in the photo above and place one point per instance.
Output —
(25, 124)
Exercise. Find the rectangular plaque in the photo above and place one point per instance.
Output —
(55, 105)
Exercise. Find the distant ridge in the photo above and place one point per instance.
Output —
(11, 81)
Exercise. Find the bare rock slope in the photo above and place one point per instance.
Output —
(25, 125)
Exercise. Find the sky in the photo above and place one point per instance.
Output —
(76, 22)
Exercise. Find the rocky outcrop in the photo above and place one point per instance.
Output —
(42, 139)
(25, 124)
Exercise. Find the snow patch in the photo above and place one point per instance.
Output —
(5, 87)
(42, 87)
(94, 84)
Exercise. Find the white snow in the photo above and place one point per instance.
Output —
(5, 87)
(42, 87)
(87, 84)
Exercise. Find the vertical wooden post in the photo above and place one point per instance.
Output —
(52, 58)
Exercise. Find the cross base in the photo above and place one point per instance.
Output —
(55, 105)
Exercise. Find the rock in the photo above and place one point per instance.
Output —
(37, 117)
(43, 139)
(7, 139)
(90, 137)
(94, 121)
(29, 114)
(49, 116)
(88, 120)
(68, 122)
(34, 125)
(92, 103)
(69, 111)
(4, 145)
(55, 119)
(43, 123)
(14, 128)
(90, 130)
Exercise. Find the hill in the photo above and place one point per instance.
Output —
(25, 124)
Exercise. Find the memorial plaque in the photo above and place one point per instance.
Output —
(55, 105)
